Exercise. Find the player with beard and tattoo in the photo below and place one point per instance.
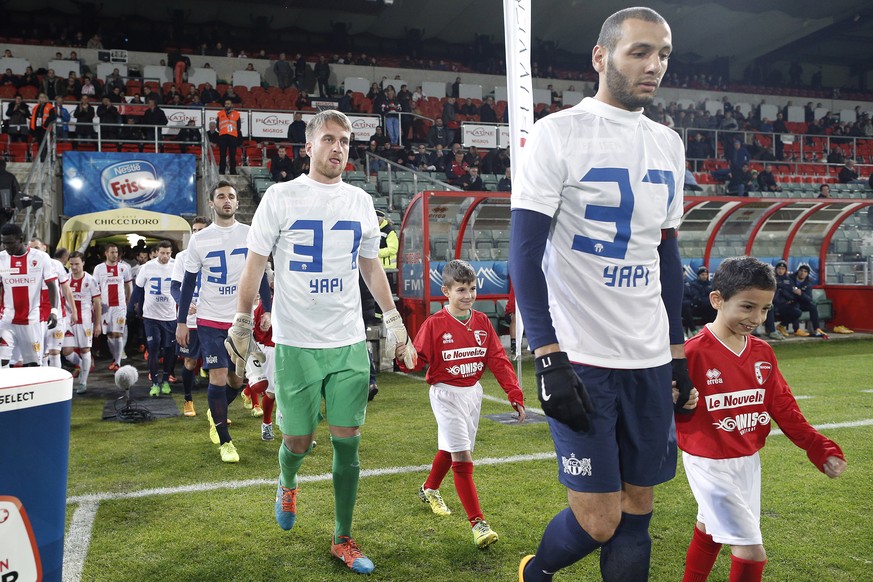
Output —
(595, 264)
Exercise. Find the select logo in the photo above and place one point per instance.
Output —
(132, 183)
(19, 553)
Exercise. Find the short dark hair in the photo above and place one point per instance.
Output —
(108, 246)
(77, 255)
(220, 184)
(164, 244)
(200, 220)
(610, 32)
(10, 228)
(740, 273)
(458, 271)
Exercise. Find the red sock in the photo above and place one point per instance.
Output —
(442, 462)
(463, 473)
(746, 570)
(269, 403)
(251, 394)
(700, 558)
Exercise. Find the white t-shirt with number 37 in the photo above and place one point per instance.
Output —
(315, 233)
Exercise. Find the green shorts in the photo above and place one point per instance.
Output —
(306, 376)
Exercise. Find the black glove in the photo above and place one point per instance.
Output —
(683, 383)
(561, 392)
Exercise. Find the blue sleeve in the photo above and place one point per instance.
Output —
(176, 290)
(185, 296)
(672, 287)
(137, 296)
(266, 294)
(527, 245)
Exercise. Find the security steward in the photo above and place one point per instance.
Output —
(229, 130)
(42, 117)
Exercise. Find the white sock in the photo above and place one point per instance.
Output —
(115, 345)
(85, 368)
(74, 359)
(54, 360)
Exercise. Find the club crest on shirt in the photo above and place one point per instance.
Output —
(762, 371)
(574, 466)
(447, 338)
(480, 336)
(33, 263)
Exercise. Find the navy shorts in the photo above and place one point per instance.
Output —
(159, 334)
(212, 348)
(193, 349)
(632, 437)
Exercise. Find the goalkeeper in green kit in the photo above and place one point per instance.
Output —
(321, 232)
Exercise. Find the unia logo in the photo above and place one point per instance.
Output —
(132, 183)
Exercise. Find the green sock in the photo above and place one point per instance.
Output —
(289, 464)
(346, 473)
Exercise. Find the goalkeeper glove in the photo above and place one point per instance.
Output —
(256, 374)
(239, 341)
(561, 392)
(396, 328)
(683, 384)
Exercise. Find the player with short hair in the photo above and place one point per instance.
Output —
(740, 386)
(23, 271)
(158, 309)
(114, 278)
(84, 328)
(595, 265)
(53, 339)
(458, 343)
(191, 352)
(217, 254)
(322, 233)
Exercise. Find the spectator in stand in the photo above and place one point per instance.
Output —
(375, 165)
(486, 112)
(375, 92)
(690, 181)
(29, 78)
(767, 181)
(737, 156)
(379, 137)
(249, 67)
(346, 102)
(696, 304)
(113, 80)
(17, 119)
(450, 115)
(281, 166)
(171, 93)
(132, 132)
(456, 88)
(233, 97)
(52, 85)
(155, 117)
(88, 88)
(73, 88)
(110, 119)
(62, 129)
(212, 133)
(848, 174)
(495, 161)
(439, 134)
(779, 128)
(9, 78)
(148, 93)
(303, 101)
(438, 159)
(422, 158)
(469, 108)
(740, 181)
(84, 126)
(284, 72)
(699, 150)
(209, 94)
(300, 165)
(322, 76)
(229, 133)
(95, 42)
(189, 136)
(472, 182)
(456, 170)
(505, 183)
(297, 133)
(299, 71)
(471, 158)
(390, 110)
(835, 156)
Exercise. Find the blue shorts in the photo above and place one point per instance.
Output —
(212, 348)
(193, 349)
(159, 334)
(632, 437)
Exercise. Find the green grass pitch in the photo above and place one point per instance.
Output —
(168, 509)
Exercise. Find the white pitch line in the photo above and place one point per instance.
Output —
(78, 540)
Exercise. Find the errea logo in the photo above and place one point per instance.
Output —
(713, 376)
(447, 338)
